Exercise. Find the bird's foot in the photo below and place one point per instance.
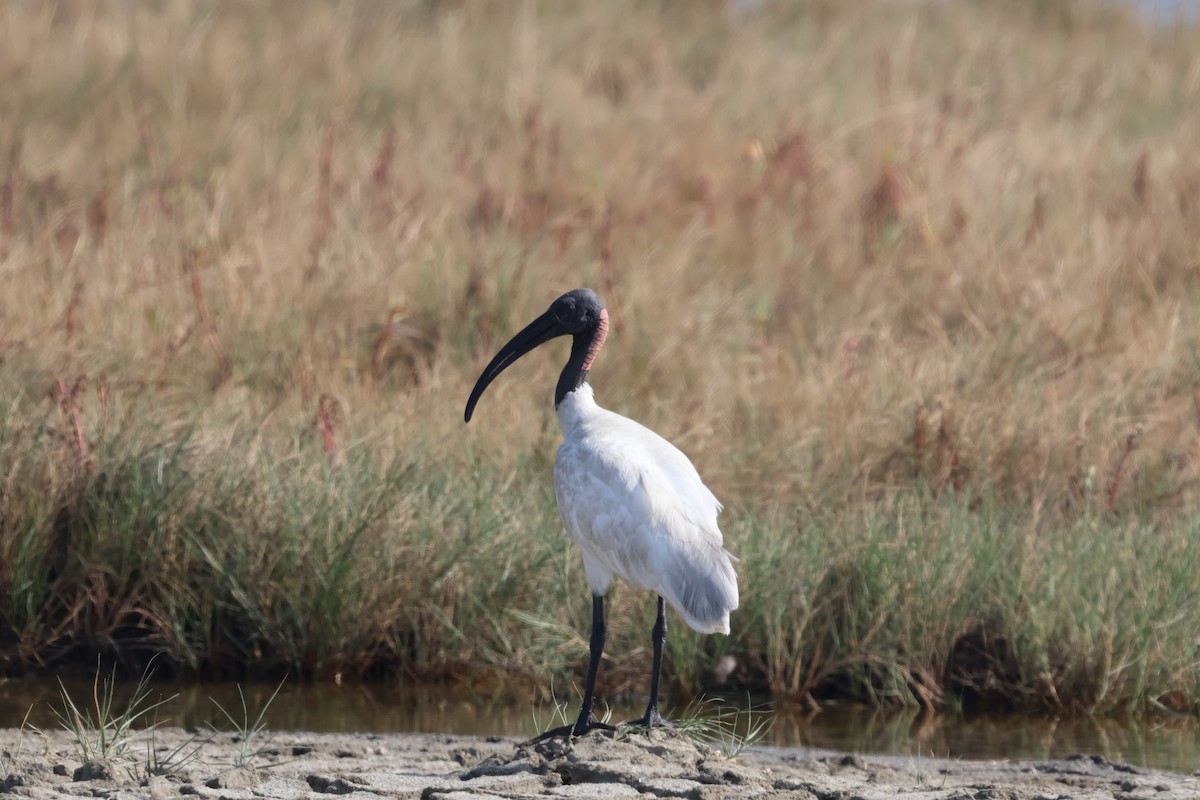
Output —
(652, 719)
(553, 733)
(588, 723)
(582, 726)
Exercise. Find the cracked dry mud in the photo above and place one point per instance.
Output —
(659, 764)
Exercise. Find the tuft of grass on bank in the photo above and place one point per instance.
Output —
(102, 730)
(249, 734)
(729, 729)
(914, 284)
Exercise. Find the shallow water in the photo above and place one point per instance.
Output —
(375, 708)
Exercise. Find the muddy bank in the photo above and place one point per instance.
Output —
(662, 764)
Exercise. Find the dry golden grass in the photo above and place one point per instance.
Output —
(855, 253)
(809, 224)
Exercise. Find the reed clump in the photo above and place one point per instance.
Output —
(915, 286)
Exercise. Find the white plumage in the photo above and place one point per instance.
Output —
(638, 509)
(632, 502)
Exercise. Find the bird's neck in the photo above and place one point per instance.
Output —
(574, 374)
(576, 410)
(584, 347)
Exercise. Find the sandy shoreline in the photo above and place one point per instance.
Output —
(602, 765)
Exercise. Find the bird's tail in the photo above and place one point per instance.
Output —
(703, 589)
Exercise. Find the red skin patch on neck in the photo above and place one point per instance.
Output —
(597, 340)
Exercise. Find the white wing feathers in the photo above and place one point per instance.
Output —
(637, 508)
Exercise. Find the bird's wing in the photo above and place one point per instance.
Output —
(635, 504)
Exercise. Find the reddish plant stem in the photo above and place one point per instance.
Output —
(383, 343)
(72, 305)
(381, 175)
(918, 438)
(73, 417)
(204, 317)
(1141, 177)
(325, 408)
(1119, 475)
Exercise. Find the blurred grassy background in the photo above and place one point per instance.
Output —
(914, 284)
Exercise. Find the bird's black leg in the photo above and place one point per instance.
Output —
(587, 721)
(659, 637)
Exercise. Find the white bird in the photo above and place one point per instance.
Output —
(630, 499)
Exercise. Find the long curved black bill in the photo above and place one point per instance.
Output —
(541, 330)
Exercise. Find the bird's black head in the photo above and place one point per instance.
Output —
(578, 314)
(577, 311)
